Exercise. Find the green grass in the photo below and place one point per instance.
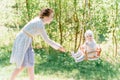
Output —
(59, 66)
(51, 64)
(81, 71)
(86, 70)
(54, 65)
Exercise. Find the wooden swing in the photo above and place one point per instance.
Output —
(95, 57)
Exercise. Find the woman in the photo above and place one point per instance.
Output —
(22, 53)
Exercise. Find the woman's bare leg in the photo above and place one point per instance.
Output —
(15, 73)
(31, 73)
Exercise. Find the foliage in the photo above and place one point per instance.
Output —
(71, 19)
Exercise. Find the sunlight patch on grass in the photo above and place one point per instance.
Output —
(51, 77)
(5, 73)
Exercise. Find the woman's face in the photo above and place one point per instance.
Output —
(48, 19)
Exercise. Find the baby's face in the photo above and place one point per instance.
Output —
(89, 37)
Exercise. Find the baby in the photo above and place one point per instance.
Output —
(89, 50)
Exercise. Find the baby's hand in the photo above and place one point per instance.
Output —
(98, 51)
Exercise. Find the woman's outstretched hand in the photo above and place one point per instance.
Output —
(62, 49)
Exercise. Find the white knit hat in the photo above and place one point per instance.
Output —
(89, 33)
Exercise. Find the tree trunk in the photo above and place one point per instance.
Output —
(60, 27)
(77, 25)
(28, 10)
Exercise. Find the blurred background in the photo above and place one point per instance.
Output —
(71, 19)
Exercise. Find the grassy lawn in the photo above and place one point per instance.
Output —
(84, 71)
(51, 64)
(57, 66)
(6, 71)
(64, 69)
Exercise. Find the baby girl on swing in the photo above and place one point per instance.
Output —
(89, 50)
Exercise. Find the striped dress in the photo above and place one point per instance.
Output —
(23, 41)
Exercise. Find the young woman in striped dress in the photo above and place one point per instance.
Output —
(22, 52)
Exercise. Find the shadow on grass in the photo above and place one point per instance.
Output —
(63, 64)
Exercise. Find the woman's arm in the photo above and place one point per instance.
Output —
(49, 41)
